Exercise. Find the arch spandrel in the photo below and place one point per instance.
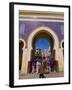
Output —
(46, 29)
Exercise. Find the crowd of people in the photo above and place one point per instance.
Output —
(46, 65)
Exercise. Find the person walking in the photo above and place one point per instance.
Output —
(42, 70)
(48, 66)
(37, 66)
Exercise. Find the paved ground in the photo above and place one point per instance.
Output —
(35, 75)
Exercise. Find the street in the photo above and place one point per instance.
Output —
(35, 75)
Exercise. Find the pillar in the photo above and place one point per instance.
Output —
(24, 62)
(59, 57)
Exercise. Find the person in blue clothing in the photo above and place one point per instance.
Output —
(48, 66)
(37, 66)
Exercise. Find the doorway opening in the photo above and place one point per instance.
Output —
(42, 49)
(21, 45)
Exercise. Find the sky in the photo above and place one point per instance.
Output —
(42, 44)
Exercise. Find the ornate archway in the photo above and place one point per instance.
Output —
(45, 29)
(27, 51)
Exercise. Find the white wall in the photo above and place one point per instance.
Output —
(4, 43)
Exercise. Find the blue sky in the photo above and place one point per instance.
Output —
(42, 44)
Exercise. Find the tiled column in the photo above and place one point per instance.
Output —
(24, 62)
(60, 59)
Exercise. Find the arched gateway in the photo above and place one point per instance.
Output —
(27, 51)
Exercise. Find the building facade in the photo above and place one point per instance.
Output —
(36, 25)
